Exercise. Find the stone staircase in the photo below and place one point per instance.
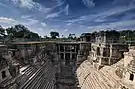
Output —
(90, 79)
(105, 78)
(110, 78)
(43, 78)
(117, 82)
(26, 74)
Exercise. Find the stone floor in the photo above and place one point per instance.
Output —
(65, 79)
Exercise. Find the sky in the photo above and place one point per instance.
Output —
(68, 16)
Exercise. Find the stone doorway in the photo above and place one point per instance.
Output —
(131, 77)
(67, 59)
(3, 74)
(98, 51)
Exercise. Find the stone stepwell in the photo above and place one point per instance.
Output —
(105, 78)
(41, 78)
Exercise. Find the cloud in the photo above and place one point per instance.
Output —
(117, 16)
(10, 21)
(81, 19)
(25, 16)
(1, 4)
(30, 4)
(53, 15)
(73, 20)
(66, 10)
(88, 3)
(107, 16)
(40, 30)
(66, 30)
(28, 20)
(128, 23)
(69, 24)
(54, 30)
(99, 20)
(31, 22)
(61, 17)
(43, 24)
(24, 3)
(51, 30)
(119, 24)
(124, 2)
(7, 20)
(89, 27)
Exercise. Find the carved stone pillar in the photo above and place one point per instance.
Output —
(70, 58)
(64, 53)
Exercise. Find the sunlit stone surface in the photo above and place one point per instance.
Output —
(67, 65)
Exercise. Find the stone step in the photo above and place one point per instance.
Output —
(40, 81)
(27, 74)
(26, 84)
(102, 80)
(37, 78)
(112, 82)
(50, 80)
(89, 83)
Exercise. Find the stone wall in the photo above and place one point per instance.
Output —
(7, 74)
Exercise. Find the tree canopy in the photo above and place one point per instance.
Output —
(71, 36)
(2, 32)
(18, 31)
(121, 35)
(54, 34)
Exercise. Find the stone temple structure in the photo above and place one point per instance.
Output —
(103, 52)
(109, 65)
(67, 52)
(102, 64)
(128, 71)
(23, 67)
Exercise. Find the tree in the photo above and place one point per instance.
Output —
(54, 35)
(20, 31)
(2, 32)
(46, 37)
(62, 36)
(71, 36)
(9, 40)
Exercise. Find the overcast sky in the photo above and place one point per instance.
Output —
(68, 16)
